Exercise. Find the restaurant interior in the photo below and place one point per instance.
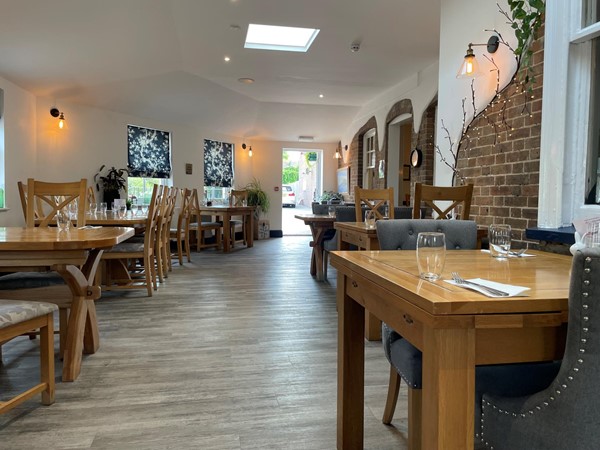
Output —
(444, 298)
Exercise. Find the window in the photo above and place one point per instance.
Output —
(570, 113)
(218, 170)
(369, 158)
(149, 161)
(2, 204)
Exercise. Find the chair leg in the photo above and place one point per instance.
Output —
(149, 274)
(188, 251)
(325, 264)
(47, 360)
(180, 250)
(414, 418)
(392, 396)
(63, 320)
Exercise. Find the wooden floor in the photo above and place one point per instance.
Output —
(235, 351)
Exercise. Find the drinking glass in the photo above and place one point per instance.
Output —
(499, 237)
(93, 208)
(122, 211)
(63, 220)
(431, 255)
(331, 211)
(102, 206)
(370, 219)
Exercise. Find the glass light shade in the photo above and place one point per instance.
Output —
(250, 152)
(469, 67)
(337, 154)
(61, 124)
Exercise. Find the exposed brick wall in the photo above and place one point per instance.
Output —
(504, 164)
(424, 139)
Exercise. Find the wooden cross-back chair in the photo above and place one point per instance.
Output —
(166, 217)
(238, 197)
(41, 201)
(375, 200)
(460, 196)
(45, 199)
(181, 234)
(199, 227)
(144, 276)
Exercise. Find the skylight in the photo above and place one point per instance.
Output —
(285, 39)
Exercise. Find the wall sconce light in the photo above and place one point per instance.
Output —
(337, 155)
(470, 66)
(249, 150)
(54, 112)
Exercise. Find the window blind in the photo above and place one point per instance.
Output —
(218, 164)
(148, 152)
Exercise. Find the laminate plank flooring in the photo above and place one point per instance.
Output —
(234, 351)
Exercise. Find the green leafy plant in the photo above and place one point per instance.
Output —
(257, 197)
(331, 195)
(113, 180)
(525, 18)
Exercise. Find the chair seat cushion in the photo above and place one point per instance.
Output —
(127, 247)
(17, 311)
(29, 280)
(206, 224)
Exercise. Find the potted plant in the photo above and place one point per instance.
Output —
(259, 198)
(112, 183)
(331, 198)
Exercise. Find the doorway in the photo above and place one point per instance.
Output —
(398, 169)
(302, 176)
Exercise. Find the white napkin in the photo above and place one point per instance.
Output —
(522, 255)
(513, 291)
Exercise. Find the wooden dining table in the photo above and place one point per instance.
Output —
(318, 225)
(75, 255)
(226, 213)
(455, 328)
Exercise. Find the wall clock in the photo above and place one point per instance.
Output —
(416, 157)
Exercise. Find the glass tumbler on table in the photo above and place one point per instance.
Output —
(499, 237)
(431, 255)
(370, 219)
(63, 220)
(102, 207)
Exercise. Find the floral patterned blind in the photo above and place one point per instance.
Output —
(149, 152)
(218, 164)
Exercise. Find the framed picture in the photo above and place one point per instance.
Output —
(406, 172)
(343, 180)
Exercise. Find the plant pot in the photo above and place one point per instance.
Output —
(109, 197)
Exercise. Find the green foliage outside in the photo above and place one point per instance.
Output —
(290, 175)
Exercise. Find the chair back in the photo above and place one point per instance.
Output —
(152, 219)
(375, 200)
(23, 196)
(460, 196)
(45, 199)
(91, 196)
(183, 219)
(319, 209)
(401, 234)
(238, 197)
(565, 414)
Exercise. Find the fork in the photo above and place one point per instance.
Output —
(459, 280)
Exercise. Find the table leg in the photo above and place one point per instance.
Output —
(74, 344)
(250, 229)
(351, 368)
(448, 388)
(226, 233)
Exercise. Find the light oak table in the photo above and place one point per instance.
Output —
(74, 255)
(365, 238)
(455, 328)
(318, 225)
(226, 212)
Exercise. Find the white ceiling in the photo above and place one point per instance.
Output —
(163, 59)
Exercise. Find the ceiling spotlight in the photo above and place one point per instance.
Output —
(227, 59)
(321, 96)
(246, 80)
(354, 47)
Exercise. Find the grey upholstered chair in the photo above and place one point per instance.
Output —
(342, 214)
(565, 414)
(406, 360)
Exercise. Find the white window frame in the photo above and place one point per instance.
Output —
(565, 115)
(369, 156)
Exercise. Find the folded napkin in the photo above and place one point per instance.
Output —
(514, 254)
(513, 291)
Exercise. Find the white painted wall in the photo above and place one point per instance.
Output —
(19, 148)
(464, 21)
